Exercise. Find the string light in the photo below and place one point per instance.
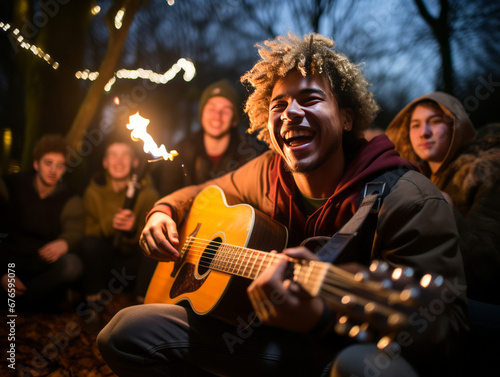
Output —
(119, 18)
(157, 78)
(95, 10)
(37, 51)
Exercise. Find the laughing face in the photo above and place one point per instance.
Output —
(119, 160)
(217, 117)
(305, 122)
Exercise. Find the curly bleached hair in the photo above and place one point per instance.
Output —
(313, 54)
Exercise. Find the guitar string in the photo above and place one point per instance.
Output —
(336, 291)
(373, 287)
(340, 277)
(334, 275)
(334, 295)
(340, 274)
(252, 261)
(199, 246)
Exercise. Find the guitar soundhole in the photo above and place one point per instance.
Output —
(208, 255)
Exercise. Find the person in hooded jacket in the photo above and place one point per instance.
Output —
(311, 104)
(435, 133)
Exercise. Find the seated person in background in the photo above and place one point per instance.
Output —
(43, 221)
(217, 148)
(311, 104)
(104, 199)
(435, 133)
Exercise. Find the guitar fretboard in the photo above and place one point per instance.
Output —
(250, 263)
(236, 260)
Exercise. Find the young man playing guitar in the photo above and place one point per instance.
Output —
(311, 105)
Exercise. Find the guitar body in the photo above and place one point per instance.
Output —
(213, 224)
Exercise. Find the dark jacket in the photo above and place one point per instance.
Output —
(415, 224)
(193, 165)
(31, 222)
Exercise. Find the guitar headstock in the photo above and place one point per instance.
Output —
(371, 302)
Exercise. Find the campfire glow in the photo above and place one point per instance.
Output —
(138, 126)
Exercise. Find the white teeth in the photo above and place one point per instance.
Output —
(297, 133)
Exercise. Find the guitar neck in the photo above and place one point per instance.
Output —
(250, 263)
(240, 261)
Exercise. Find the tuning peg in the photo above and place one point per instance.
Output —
(395, 320)
(429, 281)
(361, 276)
(354, 331)
(369, 308)
(409, 293)
(386, 284)
(408, 272)
(342, 326)
(379, 266)
(387, 343)
(403, 274)
(360, 332)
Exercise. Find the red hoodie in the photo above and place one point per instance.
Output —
(371, 160)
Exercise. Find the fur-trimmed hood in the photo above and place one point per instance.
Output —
(478, 165)
(463, 132)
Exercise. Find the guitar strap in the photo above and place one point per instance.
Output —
(365, 218)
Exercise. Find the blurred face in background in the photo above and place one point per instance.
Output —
(50, 168)
(217, 117)
(430, 134)
(119, 160)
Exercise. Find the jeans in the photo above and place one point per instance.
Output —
(171, 340)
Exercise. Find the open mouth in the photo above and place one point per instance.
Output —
(295, 138)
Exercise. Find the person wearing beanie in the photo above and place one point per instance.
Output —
(217, 148)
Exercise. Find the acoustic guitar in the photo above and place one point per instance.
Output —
(220, 253)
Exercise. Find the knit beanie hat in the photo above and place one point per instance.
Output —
(220, 89)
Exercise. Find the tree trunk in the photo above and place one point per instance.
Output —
(441, 31)
(51, 96)
(117, 38)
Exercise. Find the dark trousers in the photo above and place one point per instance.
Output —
(170, 340)
(107, 268)
(46, 288)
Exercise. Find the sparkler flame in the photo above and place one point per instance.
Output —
(138, 126)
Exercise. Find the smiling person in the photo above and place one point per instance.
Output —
(216, 149)
(104, 199)
(311, 104)
(43, 221)
(435, 132)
